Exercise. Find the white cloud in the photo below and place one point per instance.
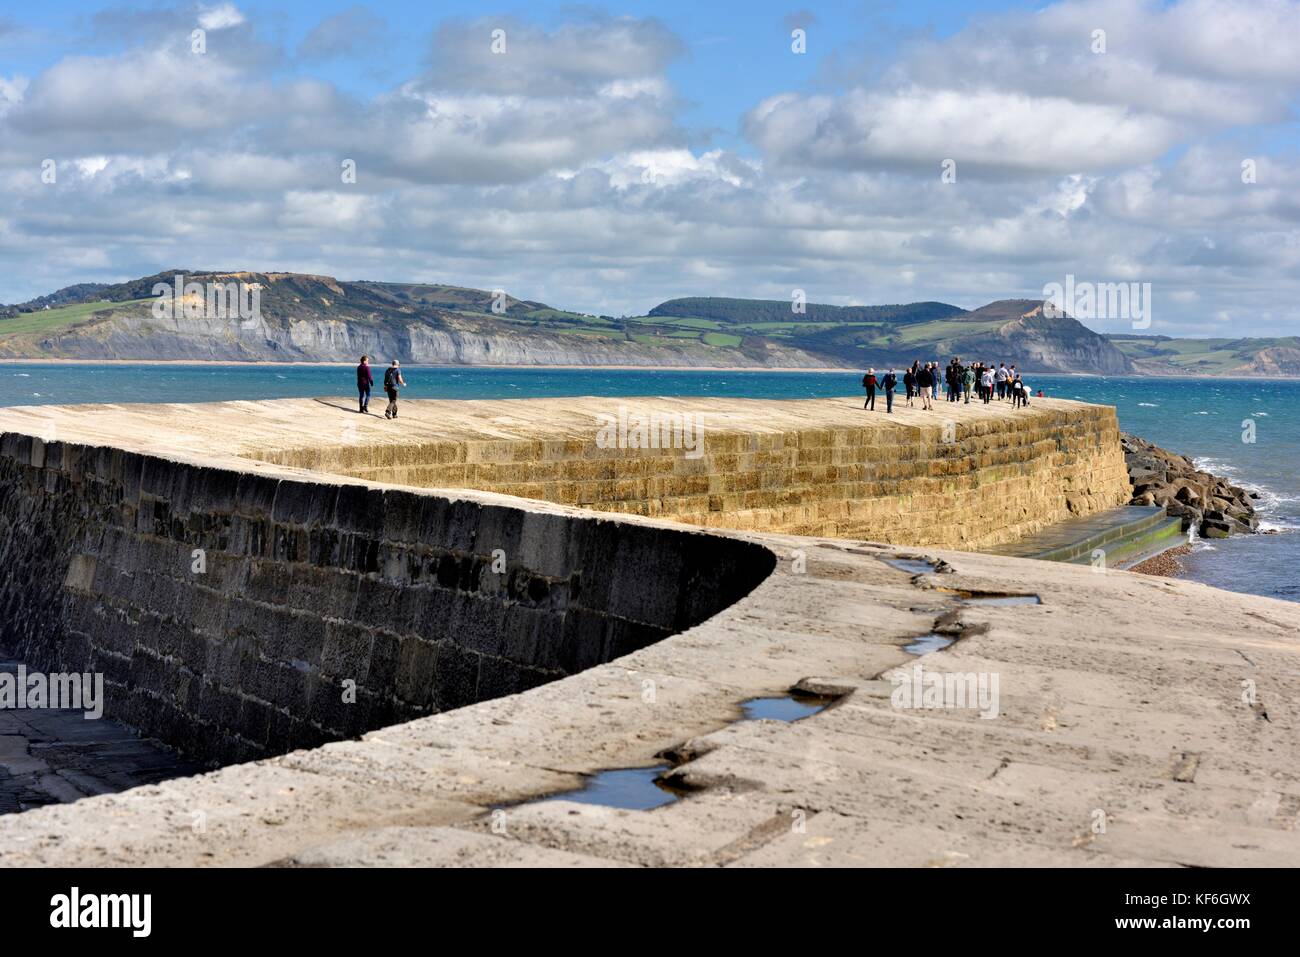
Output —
(1025, 92)
(11, 93)
(220, 17)
(982, 129)
(562, 171)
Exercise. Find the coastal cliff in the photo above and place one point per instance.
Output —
(126, 334)
(305, 318)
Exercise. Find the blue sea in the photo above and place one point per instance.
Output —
(1247, 430)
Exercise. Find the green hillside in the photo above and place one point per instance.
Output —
(691, 331)
(51, 320)
(1201, 356)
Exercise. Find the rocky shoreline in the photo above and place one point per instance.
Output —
(1212, 505)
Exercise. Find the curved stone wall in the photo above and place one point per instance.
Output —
(237, 615)
(963, 476)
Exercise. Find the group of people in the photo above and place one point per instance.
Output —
(922, 382)
(392, 382)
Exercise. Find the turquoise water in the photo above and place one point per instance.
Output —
(1202, 418)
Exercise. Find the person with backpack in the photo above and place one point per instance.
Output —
(890, 384)
(869, 383)
(1017, 393)
(364, 381)
(392, 382)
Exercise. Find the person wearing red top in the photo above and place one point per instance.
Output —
(869, 383)
(364, 381)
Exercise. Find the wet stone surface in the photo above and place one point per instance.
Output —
(52, 756)
(633, 789)
(787, 708)
(927, 643)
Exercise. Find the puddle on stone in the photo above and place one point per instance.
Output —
(784, 708)
(913, 566)
(1001, 601)
(928, 643)
(633, 789)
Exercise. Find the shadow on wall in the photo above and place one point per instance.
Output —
(236, 616)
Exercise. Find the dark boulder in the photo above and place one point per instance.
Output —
(1206, 502)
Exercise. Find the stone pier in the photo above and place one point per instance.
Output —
(405, 668)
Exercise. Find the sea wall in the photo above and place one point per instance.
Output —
(236, 615)
(960, 477)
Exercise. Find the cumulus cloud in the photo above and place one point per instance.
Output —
(1076, 87)
(561, 168)
(989, 130)
(511, 57)
(11, 93)
(220, 17)
(165, 88)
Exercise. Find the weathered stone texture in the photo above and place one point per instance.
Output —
(959, 480)
(228, 612)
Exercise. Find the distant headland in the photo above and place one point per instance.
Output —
(206, 316)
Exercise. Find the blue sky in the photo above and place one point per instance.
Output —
(732, 59)
(617, 155)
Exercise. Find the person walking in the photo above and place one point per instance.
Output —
(909, 383)
(1000, 380)
(968, 381)
(934, 379)
(988, 384)
(1017, 393)
(925, 380)
(365, 380)
(392, 382)
(890, 383)
(869, 383)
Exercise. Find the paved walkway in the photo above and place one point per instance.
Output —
(1141, 721)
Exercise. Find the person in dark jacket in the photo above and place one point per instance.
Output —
(925, 382)
(869, 383)
(890, 383)
(364, 381)
(392, 381)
